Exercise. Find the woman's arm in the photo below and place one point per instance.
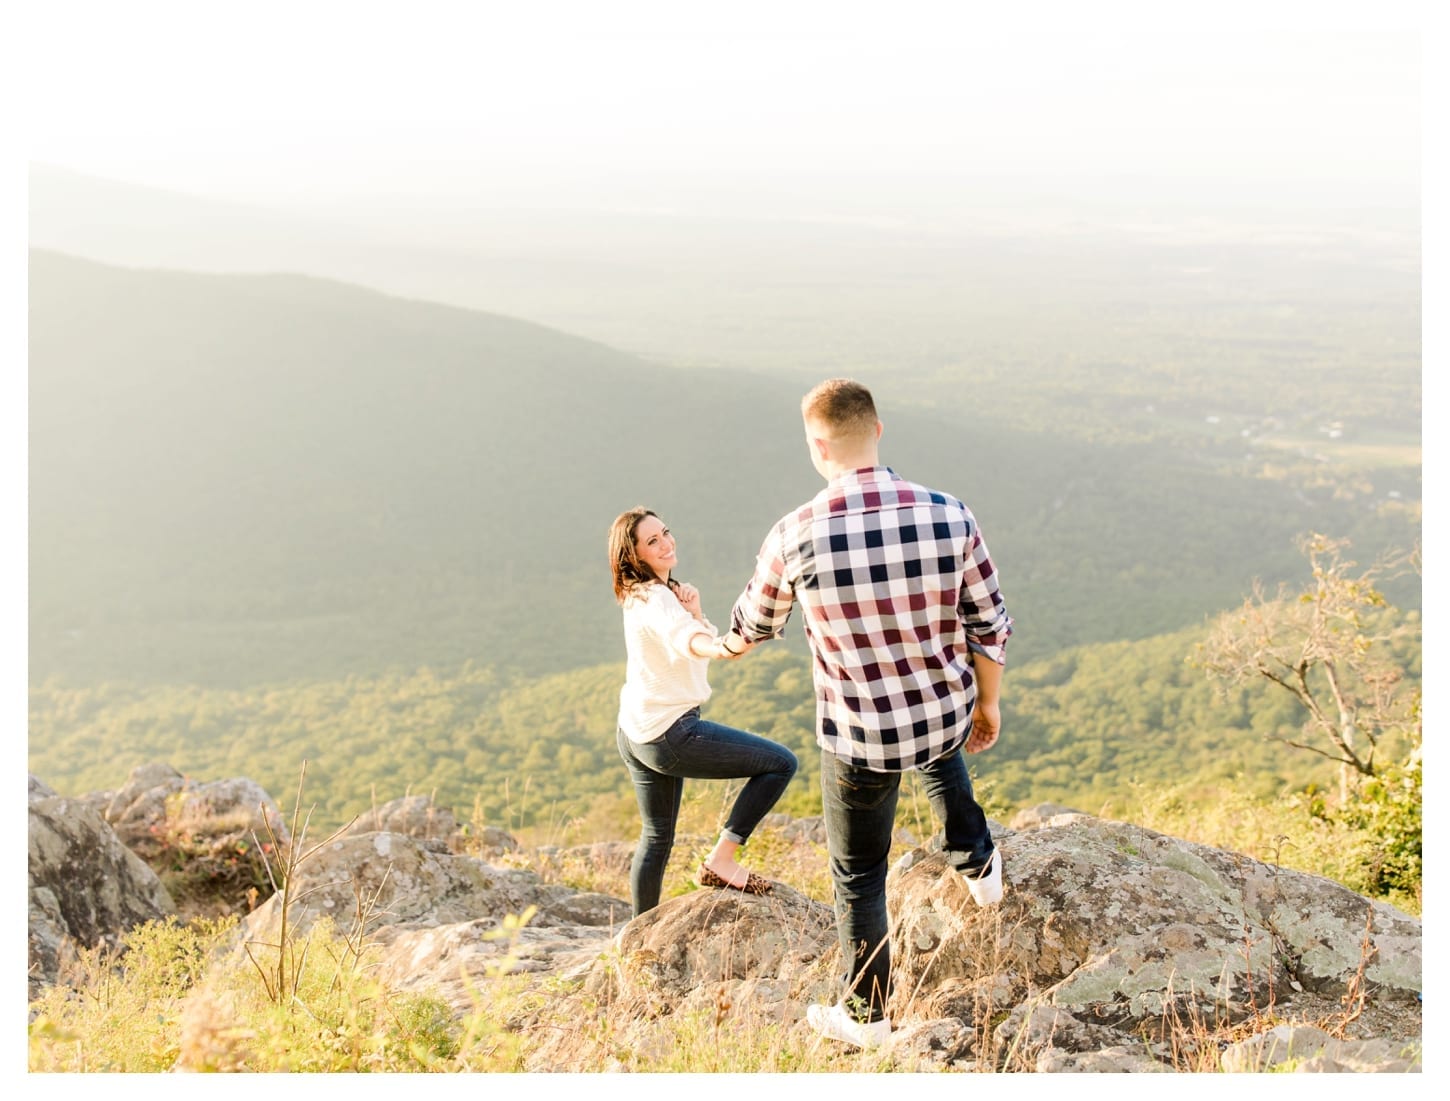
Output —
(687, 633)
(703, 645)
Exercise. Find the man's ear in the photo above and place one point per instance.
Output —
(879, 428)
(821, 447)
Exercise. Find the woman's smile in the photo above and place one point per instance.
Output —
(655, 546)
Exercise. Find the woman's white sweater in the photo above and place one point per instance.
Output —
(662, 680)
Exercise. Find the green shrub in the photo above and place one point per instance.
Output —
(1385, 817)
(119, 1009)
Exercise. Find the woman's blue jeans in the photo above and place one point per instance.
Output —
(859, 807)
(693, 748)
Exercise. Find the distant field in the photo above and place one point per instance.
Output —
(1350, 453)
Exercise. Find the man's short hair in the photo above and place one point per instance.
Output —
(843, 407)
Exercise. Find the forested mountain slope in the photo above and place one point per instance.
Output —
(256, 480)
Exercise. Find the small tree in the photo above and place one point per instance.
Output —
(1328, 647)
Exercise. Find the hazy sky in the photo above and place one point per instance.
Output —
(635, 105)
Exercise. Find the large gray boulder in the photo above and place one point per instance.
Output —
(86, 888)
(714, 936)
(411, 815)
(740, 958)
(157, 798)
(1110, 924)
(210, 840)
(1112, 919)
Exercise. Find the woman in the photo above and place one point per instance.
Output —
(661, 735)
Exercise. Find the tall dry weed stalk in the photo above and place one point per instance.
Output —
(281, 977)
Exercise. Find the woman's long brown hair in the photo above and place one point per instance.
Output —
(629, 572)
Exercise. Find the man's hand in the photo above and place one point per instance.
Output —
(986, 725)
(733, 647)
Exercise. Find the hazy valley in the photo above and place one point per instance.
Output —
(275, 516)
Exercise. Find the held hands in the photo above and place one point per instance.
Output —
(732, 650)
(986, 725)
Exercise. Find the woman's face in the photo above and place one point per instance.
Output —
(655, 546)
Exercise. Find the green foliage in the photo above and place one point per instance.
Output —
(1080, 729)
(120, 1010)
(1385, 817)
(1130, 713)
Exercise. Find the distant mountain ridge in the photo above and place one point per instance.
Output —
(239, 478)
(982, 288)
(266, 452)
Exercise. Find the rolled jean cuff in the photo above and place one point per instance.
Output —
(731, 835)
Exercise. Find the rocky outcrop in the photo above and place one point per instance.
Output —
(1309, 1049)
(1113, 948)
(392, 880)
(1115, 921)
(86, 888)
(209, 841)
(157, 798)
(433, 914)
(1116, 949)
(412, 816)
(1111, 934)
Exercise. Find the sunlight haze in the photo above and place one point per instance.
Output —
(352, 331)
(319, 107)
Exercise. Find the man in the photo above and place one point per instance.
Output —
(907, 630)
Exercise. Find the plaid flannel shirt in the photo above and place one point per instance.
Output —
(897, 592)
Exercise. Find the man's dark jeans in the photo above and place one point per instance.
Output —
(859, 807)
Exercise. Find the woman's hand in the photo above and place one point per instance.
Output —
(726, 652)
(689, 597)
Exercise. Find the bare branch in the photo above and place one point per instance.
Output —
(1329, 647)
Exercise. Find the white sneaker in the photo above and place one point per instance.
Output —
(834, 1023)
(986, 887)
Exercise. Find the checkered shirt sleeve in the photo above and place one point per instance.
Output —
(897, 590)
